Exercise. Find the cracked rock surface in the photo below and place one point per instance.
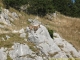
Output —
(42, 46)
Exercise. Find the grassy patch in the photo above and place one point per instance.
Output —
(32, 47)
(8, 57)
(13, 38)
(1, 4)
(52, 55)
(1, 23)
(5, 29)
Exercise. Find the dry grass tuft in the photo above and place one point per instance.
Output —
(13, 38)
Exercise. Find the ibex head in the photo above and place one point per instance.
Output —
(35, 28)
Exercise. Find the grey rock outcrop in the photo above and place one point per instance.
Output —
(7, 37)
(20, 52)
(22, 33)
(34, 22)
(6, 16)
(38, 58)
(14, 15)
(23, 8)
(23, 52)
(3, 54)
(39, 45)
(15, 31)
(57, 47)
(43, 40)
(51, 16)
(66, 47)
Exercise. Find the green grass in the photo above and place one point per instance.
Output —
(1, 23)
(6, 29)
(8, 57)
(13, 38)
(32, 47)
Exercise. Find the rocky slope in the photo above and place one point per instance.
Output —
(6, 20)
(38, 45)
(45, 46)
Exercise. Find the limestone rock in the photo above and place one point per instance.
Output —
(7, 37)
(20, 51)
(3, 54)
(23, 8)
(30, 20)
(15, 31)
(7, 17)
(38, 58)
(66, 47)
(21, 31)
(14, 15)
(43, 40)
(5, 11)
(34, 22)
(57, 47)
(23, 35)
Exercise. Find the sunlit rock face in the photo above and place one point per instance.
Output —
(57, 47)
(66, 47)
(20, 51)
(42, 39)
(39, 45)
(23, 52)
(3, 54)
(7, 17)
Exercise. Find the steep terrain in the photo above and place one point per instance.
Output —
(25, 37)
(67, 27)
(38, 46)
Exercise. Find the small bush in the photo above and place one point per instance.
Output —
(0, 10)
(50, 32)
(14, 3)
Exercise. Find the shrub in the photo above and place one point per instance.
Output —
(0, 10)
(40, 7)
(50, 32)
(14, 3)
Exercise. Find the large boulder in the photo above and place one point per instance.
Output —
(41, 38)
(65, 46)
(56, 48)
(7, 17)
(20, 52)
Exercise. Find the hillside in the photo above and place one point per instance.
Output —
(67, 27)
(26, 37)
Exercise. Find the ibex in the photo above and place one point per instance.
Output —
(35, 28)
